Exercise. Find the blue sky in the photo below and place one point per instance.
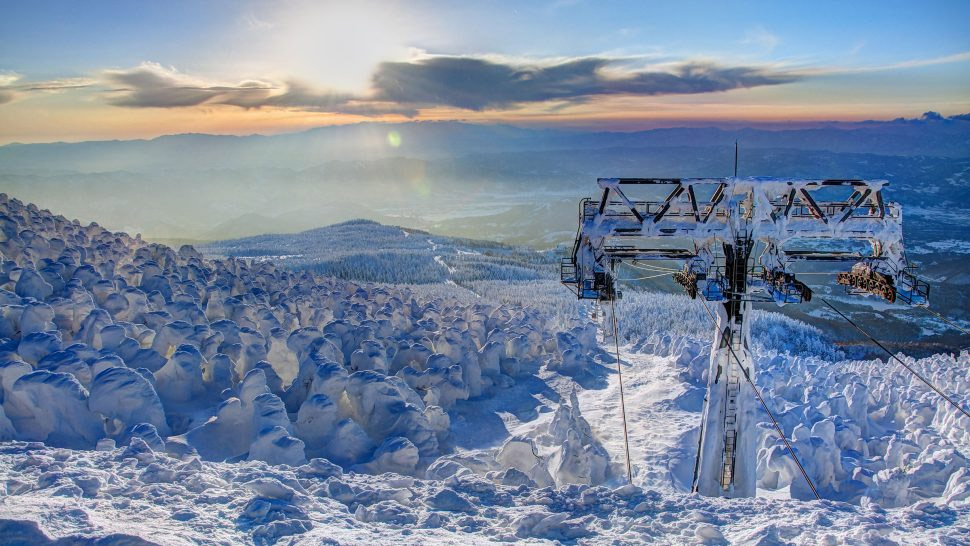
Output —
(77, 70)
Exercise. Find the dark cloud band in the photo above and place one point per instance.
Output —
(470, 83)
(478, 84)
(150, 85)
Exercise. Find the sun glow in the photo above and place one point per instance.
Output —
(336, 44)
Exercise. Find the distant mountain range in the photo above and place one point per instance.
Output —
(930, 135)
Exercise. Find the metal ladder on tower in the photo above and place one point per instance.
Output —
(736, 261)
(732, 392)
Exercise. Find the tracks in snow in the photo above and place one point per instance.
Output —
(451, 270)
(663, 435)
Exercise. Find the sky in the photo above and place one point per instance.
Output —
(72, 71)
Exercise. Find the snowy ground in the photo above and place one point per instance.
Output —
(160, 396)
(125, 493)
(166, 501)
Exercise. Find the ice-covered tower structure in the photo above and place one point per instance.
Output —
(713, 227)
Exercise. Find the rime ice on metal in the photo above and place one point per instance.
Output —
(713, 226)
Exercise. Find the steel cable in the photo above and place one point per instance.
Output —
(946, 320)
(647, 277)
(651, 267)
(619, 374)
(891, 355)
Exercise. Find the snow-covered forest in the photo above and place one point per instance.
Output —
(405, 387)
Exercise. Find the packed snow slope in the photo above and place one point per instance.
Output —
(156, 396)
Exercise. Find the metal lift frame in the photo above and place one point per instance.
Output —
(722, 231)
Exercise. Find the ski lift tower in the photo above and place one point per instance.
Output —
(713, 226)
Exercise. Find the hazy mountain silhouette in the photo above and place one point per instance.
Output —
(930, 135)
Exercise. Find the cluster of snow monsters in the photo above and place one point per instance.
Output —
(868, 429)
(865, 431)
(106, 339)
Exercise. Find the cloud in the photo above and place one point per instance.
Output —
(8, 78)
(961, 57)
(474, 83)
(477, 83)
(300, 96)
(57, 85)
(916, 63)
(11, 89)
(255, 23)
(761, 37)
(150, 85)
(471, 83)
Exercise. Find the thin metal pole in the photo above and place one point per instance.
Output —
(619, 374)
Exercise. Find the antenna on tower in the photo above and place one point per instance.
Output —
(735, 159)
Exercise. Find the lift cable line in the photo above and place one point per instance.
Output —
(946, 320)
(647, 277)
(651, 267)
(781, 433)
(641, 265)
(739, 241)
(619, 375)
(654, 266)
(891, 355)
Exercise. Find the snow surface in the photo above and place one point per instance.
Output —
(156, 394)
(135, 492)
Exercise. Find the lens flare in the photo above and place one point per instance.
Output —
(394, 139)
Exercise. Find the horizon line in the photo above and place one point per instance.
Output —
(768, 125)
